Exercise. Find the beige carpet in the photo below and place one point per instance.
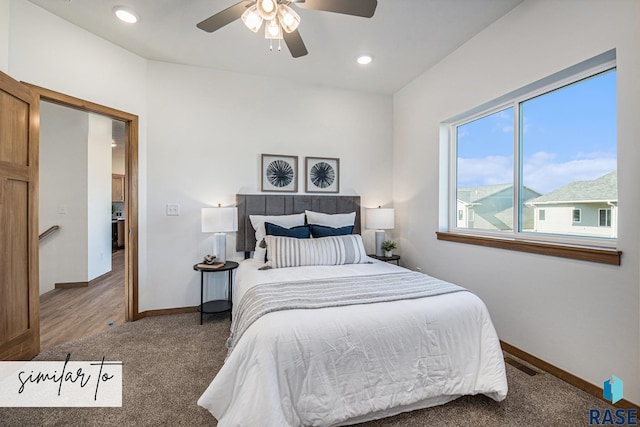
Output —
(170, 360)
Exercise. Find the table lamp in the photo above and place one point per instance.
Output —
(220, 221)
(379, 219)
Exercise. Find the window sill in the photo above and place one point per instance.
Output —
(582, 253)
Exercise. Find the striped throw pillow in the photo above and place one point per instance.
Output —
(335, 250)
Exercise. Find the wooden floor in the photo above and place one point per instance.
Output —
(70, 314)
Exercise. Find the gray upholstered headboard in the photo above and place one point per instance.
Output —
(267, 204)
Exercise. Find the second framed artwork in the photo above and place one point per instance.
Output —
(322, 175)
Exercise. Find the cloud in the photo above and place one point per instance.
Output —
(541, 172)
(488, 170)
(462, 133)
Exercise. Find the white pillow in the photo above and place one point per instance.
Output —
(257, 221)
(331, 220)
(334, 250)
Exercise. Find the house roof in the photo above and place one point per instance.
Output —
(475, 194)
(603, 189)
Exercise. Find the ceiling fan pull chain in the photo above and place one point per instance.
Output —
(279, 46)
(271, 45)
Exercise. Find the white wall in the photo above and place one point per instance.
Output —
(4, 36)
(204, 154)
(209, 129)
(63, 195)
(582, 317)
(50, 52)
(98, 195)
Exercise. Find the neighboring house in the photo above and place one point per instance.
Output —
(584, 208)
(489, 207)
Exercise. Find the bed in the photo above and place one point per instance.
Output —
(378, 347)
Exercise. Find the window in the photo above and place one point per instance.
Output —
(576, 215)
(546, 149)
(460, 215)
(604, 217)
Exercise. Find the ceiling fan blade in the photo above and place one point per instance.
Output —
(223, 18)
(364, 8)
(295, 44)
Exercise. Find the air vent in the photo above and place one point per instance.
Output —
(527, 370)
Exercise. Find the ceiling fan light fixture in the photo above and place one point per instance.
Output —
(252, 19)
(267, 9)
(125, 15)
(288, 18)
(273, 30)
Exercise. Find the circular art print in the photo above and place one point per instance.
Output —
(279, 173)
(322, 175)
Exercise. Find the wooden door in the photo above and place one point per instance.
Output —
(19, 296)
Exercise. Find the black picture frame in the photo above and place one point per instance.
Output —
(279, 173)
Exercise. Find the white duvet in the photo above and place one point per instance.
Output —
(343, 365)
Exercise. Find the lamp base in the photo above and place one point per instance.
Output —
(379, 240)
(220, 247)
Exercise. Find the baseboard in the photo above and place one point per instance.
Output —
(69, 285)
(564, 375)
(167, 311)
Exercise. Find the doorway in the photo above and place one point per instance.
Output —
(130, 203)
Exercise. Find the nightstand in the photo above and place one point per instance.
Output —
(392, 258)
(216, 306)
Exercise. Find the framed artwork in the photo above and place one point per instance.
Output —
(322, 175)
(279, 173)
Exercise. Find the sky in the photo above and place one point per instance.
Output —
(567, 135)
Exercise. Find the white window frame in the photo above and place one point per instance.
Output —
(603, 63)
(573, 215)
(607, 218)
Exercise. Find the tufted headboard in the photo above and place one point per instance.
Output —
(267, 204)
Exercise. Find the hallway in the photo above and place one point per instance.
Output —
(71, 314)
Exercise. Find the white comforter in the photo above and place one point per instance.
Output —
(348, 364)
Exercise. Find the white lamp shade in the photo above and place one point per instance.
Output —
(379, 218)
(219, 220)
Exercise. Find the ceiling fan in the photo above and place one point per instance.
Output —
(281, 20)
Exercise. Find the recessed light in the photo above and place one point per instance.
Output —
(125, 15)
(365, 59)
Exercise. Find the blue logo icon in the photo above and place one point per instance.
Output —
(613, 389)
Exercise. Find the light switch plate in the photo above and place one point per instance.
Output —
(173, 209)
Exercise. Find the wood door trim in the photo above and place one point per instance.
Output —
(131, 184)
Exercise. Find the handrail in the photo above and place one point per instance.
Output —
(51, 230)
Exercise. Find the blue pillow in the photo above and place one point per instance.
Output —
(324, 231)
(299, 232)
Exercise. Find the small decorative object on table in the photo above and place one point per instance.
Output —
(214, 266)
(388, 246)
(209, 259)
